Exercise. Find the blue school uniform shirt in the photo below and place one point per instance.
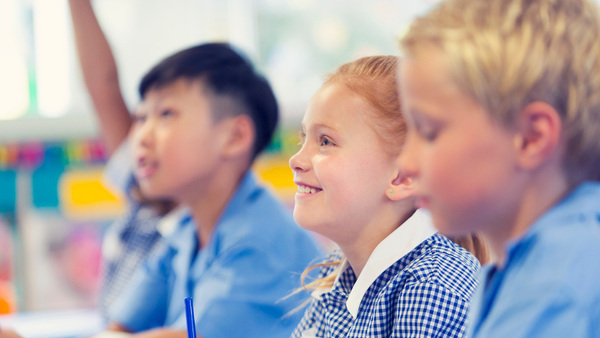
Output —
(415, 284)
(238, 280)
(550, 284)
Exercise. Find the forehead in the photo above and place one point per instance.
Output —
(426, 73)
(427, 85)
(181, 92)
(431, 96)
(335, 105)
(180, 88)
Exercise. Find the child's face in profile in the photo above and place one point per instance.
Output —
(463, 163)
(342, 170)
(175, 141)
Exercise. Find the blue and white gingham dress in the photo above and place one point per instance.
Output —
(426, 293)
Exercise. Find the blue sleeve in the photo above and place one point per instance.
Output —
(118, 172)
(544, 314)
(242, 295)
(427, 309)
(144, 303)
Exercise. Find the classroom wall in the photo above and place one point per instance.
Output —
(54, 208)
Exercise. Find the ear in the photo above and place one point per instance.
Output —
(400, 187)
(240, 136)
(538, 136)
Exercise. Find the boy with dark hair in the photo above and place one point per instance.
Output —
(205, 115)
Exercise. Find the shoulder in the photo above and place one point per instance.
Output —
(262, 221)
(561, 259)
(258, 209)
(441, 262)
(567, 233)
(431, 309)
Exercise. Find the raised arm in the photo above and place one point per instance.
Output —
(100, 74)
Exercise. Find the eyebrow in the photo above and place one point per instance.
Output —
(412, 110)
(138, 111)
(301, 134)
(320, 126)
(417, 114)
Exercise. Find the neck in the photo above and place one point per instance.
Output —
(542, 191)
(207, 206)
(358, 249)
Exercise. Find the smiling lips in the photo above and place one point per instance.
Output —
(304, 189)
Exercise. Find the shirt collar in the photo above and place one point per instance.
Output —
(168, 223)
(247, 187)
(581, 200)
(185, 226)
(395, 246)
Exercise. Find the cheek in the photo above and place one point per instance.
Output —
(467, 172)
(438, 166)
(173, 140)
(329, 173)
(135, 138)
(445, 170)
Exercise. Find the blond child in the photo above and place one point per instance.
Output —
(502, 102)
(394, 276)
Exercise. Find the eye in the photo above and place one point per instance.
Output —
(428, 131)
(139, 118)
(167, 113)
(325, 141)
(428, 134)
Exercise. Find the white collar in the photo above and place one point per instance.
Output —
(169, 222)
(396, 245)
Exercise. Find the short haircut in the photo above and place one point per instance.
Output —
(505, 54)
(225, 73)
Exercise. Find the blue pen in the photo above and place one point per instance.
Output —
(189, 317)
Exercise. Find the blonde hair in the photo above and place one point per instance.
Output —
(505, 54)
(374, 79)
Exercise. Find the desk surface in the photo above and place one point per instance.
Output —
(55, 324)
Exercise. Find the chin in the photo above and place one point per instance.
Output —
(450, 228)
(305, 222)
(153, 193)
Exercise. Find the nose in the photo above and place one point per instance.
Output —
(408, 157)
(299, 162)
(143, 133)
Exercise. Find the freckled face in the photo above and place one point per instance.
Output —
(342, 169)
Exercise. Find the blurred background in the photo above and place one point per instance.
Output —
(54, 207)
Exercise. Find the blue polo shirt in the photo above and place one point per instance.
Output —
(238, 280)
(550, 285)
